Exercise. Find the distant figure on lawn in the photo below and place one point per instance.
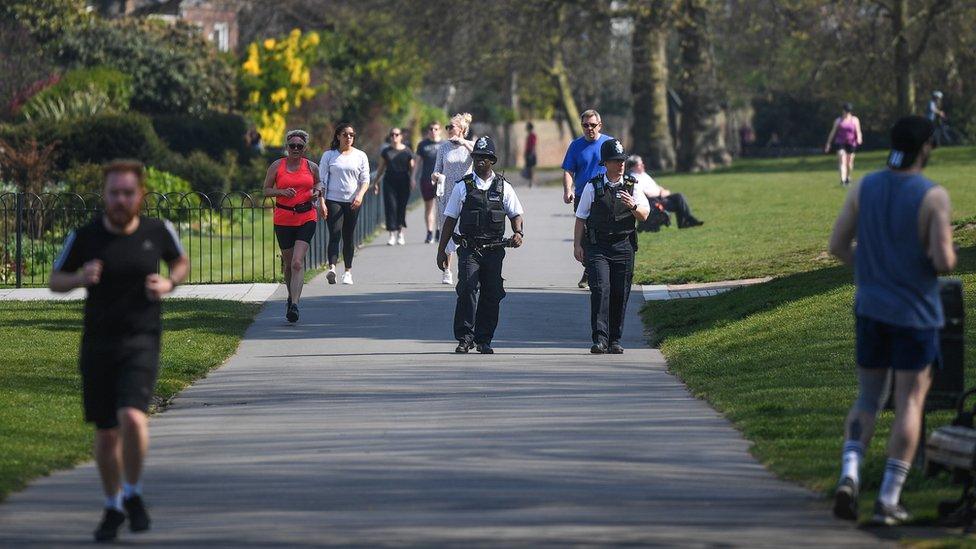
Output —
(844, 139)
(660, 199)
(117, 257)
(900, 220)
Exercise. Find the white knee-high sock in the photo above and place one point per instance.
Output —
(851, 459)
(894, 479)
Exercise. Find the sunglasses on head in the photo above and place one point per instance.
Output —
(296, 146)
(589, 125)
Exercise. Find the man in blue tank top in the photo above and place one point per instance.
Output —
(901, 222)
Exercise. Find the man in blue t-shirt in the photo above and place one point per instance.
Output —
(582, 162)
(901, 223)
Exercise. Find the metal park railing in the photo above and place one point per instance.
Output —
(228, 237)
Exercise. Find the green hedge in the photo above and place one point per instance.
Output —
(213, 133)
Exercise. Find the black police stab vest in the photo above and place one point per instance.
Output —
(608, 214)
(483, 212)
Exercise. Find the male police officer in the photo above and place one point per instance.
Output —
(475, 215)
(607, 214)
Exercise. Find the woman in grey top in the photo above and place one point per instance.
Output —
(344, 176)
(453, 162)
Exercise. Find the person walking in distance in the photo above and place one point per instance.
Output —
(475, 220)
(844, 139)
(605, 240)
(344, 180)
(453, 162)
(530, 157)
(117, 257)
(582, 163)
(396, 167)
(293, 181)
(901, 222)
(424, 165)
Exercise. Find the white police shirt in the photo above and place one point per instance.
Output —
(510, 201)
(586, 199)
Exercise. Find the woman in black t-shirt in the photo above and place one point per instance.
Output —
(396, 166)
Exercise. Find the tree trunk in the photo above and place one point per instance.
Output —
(649, 85)
(561, 77)
(904, 64)
(702, 133)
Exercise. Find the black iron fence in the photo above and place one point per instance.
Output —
(228, 237)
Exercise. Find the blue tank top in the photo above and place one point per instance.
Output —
(896, 282)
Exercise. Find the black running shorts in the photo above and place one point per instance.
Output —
(288, 235)
(118, 373)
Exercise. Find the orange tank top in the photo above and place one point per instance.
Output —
(301, 180)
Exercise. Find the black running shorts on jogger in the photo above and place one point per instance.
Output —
(116, 374)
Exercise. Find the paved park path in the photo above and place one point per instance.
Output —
(360, 427)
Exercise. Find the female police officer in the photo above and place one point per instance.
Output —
(606, 220)
(477, 208)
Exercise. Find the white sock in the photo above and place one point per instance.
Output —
(850, 461)
(130, 490)
(114, 502)
(894, 479)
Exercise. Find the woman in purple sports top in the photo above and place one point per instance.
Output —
(844, 139)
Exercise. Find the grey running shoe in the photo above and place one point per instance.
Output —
(108, 529)
(464, 346)
(615, 349)
(584, 282)
(889, 515)
(599, 348)
(845, 499)
(485, 349)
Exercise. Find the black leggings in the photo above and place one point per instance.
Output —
(342, 226)
(396, 194)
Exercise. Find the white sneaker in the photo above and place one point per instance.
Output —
(347, 277)
(401, 240)
(448, 277)
(392, 241)
(331, 275)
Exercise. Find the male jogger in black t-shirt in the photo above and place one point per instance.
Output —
(117, 257)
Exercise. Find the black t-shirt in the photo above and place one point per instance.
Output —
(118, 305)
(397, 162)
(427, 152)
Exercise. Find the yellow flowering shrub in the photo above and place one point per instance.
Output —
(276, 78)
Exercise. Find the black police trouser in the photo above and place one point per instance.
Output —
(610, 265)
(676, 203)
(480, 290)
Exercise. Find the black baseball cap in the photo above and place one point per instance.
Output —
(908, 135)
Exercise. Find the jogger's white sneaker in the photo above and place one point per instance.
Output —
(347, 277)
(392, 241)
(331, 275)
(448, 278)
(401, 240)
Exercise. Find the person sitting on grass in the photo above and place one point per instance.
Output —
(671, 202)
(901, 222)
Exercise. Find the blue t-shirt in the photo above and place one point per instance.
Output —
(583, 160)
(896, 282)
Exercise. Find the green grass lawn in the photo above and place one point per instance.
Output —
(40, 389)
(777, 358)
(772, 217)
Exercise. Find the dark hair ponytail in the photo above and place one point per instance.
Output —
(335, 135)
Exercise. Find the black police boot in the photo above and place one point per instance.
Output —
(108, 529)
(485, 349)
(464, 346)
(615, 348)
(599, 348)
